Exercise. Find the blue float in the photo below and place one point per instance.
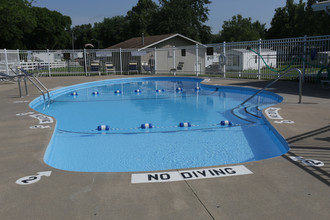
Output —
(184, 124)
(103, 127)
(146, 125)
(224, 123)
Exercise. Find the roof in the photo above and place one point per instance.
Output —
(149, 41)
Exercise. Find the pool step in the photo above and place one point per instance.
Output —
(250, 113)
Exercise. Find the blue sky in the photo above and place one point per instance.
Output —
(91, 11)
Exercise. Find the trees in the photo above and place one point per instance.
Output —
(186, 17)
(296, 20)
(16, 20)
(241, 29)
(83, 34)
(318, 23)
(51, 31)
(26, 27)
(112, 30)
(141, 18)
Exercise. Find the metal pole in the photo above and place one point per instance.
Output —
(18, 58)
(304, 61)
(6, 61)
(121, 62)
(155, 70)
(48, 63)
(224, 59)
(72, 36)
(196, 59)
(259, 51)
(85, 61)
(26, 89)
(300, 85)
(19, 87)
(174, 67)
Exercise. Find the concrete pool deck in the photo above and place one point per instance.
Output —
(279, 188)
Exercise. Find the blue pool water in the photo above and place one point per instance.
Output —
(77, 145)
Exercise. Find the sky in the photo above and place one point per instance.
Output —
(91, 11)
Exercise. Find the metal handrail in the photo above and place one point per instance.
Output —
(30, 76)
(274, 81)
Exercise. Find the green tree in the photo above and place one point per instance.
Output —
(141, 18)
(112, 30)
(297, 20)
(186, 17)
(51, 31)
(317, 23)
(16, 20)
(241, 29)
(83, 34)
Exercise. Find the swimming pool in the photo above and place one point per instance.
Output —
(124, 106)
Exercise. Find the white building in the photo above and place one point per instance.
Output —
(242, 59)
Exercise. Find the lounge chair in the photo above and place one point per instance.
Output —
(7, 78)
(132, 66)
(146, 67)
(178, 68)
(109, 67)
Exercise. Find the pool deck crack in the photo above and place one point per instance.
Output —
(200, 201)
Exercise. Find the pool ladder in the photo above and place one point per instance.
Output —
(246, 108)
(35, 81)
(274, 81)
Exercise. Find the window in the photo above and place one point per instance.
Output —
(233, 60)
(209, 51)
(236, 60)
(183, 52)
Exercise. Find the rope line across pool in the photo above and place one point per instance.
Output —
(152, 130)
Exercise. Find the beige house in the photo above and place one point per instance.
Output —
(160, 54)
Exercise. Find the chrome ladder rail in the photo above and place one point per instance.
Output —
(36, 82)
(274, 81)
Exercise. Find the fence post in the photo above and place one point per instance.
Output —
(18, 58)
(259, 51)
(174, 67)
(85, 61)
(6, 61)
(121, 62)
(224, 59)
(155, 70)
(304, 59)
(48, 63)
(196, 59)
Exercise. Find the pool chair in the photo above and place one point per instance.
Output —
(178, 68)
(109, 68)
(146, 67)
(7, 78)
(132, 66)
